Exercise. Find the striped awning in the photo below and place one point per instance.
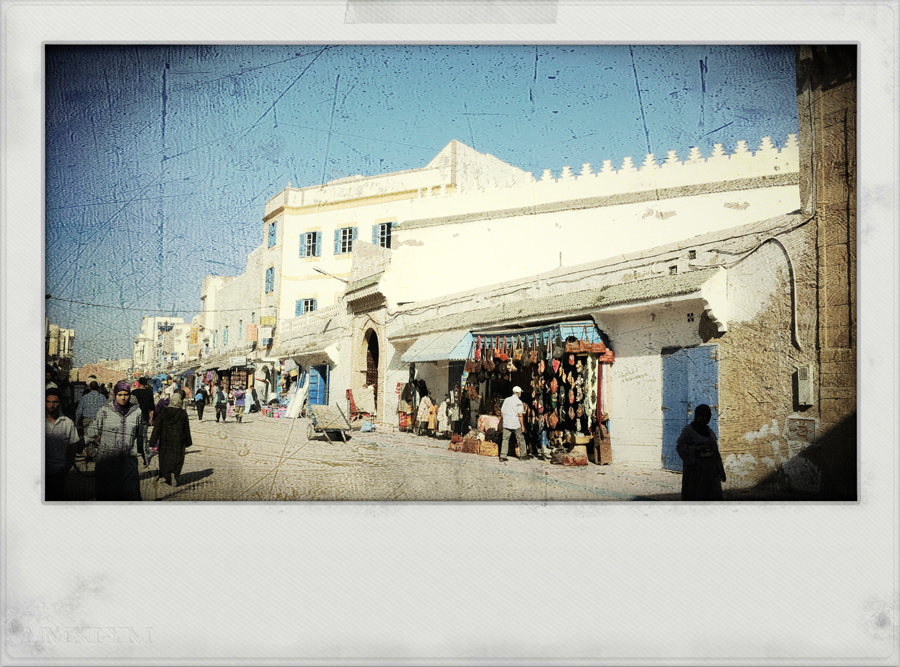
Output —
(444, 346)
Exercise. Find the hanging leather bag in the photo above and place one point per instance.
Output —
(517, 349)
(558, 349)
(553, 419)
(487, 363)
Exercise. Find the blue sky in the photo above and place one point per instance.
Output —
(159, 159)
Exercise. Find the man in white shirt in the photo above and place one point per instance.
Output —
(61, 441)
(513, 411)
(170, 387)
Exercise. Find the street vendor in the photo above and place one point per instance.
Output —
(513, 423)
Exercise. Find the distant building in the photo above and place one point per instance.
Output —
(106, 371)
(59, 347)
(160, 337)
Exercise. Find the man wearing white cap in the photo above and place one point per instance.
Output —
(513, 422)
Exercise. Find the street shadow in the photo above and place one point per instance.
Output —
(335, 437)
(824, 471)
(190, 477)
(185, 481)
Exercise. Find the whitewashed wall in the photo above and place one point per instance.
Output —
(635, 386)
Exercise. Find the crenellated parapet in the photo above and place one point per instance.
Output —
(670, 172)
(459, 170)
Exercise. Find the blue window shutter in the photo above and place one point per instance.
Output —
(318, 239)
(337, 241)
(299, 309)
(375, 234)
(303, 245)
(314, 305)
(272, 234)
(353, 237)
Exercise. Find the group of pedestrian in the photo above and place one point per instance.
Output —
(221, 399)
(115, 434)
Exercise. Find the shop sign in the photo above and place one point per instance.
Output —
(265, 332)
(252, 332)
(195, 335)
(238, 361)
(268, 321)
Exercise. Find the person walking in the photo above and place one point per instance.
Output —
(239, 400)
(699, 449)
(171, 435)
(221, 404)
(144, 397)
(88, 406)
(513, 411)
(115, 429)
(200, 400)
(60, 444)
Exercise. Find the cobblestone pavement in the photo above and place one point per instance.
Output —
(273, 460)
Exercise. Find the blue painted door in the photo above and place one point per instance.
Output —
(690, 377)
(318, 385)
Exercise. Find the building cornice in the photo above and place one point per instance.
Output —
(753, 183)
(343, 204)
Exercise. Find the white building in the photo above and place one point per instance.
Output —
(157, 341)
(673, 266)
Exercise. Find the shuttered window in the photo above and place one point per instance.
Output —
(382, 233)
(343, 240)
(272, 234)
(305, 306)
(311, 244)
(270, 279)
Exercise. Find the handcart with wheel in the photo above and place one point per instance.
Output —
(327, 419)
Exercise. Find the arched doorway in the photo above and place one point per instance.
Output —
(371, 346)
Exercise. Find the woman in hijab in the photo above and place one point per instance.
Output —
(172, 435)
(115, 429)
(698, 448)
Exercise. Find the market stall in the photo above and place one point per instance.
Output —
(563, 372)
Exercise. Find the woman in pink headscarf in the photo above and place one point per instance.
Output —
(115, 429)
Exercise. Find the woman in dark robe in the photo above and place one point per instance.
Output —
(698, 448)
(172, 435)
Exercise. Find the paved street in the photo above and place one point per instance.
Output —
(272, 459)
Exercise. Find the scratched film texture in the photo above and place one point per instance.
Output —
(159, 159)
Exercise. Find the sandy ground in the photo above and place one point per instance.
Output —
(265, 459)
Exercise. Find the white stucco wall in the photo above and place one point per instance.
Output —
(486, 251)
(637, 336)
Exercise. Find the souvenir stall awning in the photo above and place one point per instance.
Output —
(585, 330)
(447, 345)
(315, 350)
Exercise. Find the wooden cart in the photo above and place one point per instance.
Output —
(325, 419)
